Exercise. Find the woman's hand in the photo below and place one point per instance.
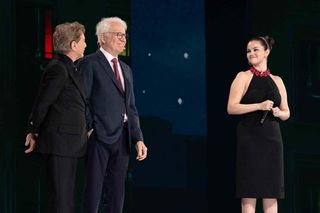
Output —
(266, 105)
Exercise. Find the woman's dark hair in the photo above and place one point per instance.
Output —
(266, 41)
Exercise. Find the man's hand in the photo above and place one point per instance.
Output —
(141, 151)
(31, 142)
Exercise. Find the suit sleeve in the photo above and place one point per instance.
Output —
(85, 69)
(51, 85)
(136, 133)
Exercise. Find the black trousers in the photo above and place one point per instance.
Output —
(106, 171)
(61, 175)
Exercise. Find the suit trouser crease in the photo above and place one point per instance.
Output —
(106, 171)
(61, 175)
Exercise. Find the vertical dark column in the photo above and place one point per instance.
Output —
(7, 106)
(226, 33)
(30, 61)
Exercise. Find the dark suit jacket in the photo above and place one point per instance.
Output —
(106, 103)
(58, 115)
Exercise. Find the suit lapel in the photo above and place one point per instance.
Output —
(76, 78)
(105, 64)
(125, 73)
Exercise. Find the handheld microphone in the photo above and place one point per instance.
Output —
(265, 113)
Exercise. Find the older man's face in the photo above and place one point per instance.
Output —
(115, 39)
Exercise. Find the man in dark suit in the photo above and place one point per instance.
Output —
(112, 119)
(57, 126)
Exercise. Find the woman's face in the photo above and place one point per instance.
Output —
(256, 53)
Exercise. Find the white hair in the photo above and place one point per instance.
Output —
(104, 25)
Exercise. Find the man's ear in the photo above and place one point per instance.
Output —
(103, 39)
(73, 44)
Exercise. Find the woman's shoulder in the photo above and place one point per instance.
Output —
(244, 74)
(243, 77)
(276, 78)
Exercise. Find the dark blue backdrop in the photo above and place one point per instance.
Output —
(168, 59)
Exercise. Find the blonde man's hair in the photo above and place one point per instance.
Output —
(64, 34)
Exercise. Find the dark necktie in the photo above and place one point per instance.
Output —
(116, 72)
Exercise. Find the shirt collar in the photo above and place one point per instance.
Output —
(107, 55)
(66, 59)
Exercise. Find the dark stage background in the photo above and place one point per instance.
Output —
(184, 55)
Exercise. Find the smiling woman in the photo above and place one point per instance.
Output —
(261, 99)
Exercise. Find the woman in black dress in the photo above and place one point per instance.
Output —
(261, 99)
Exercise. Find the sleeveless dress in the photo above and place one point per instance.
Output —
(259, 166)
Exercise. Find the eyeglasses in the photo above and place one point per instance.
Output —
(119, 35)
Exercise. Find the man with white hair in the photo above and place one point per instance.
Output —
(112, 119)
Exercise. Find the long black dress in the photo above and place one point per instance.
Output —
(259, 146)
